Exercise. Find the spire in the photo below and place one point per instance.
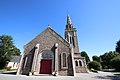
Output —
(69, 24)
(69, 20)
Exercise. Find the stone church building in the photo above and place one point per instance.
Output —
(49, 53)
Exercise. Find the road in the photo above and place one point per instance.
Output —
(81, 76)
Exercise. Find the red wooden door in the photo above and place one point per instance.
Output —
(46, 66)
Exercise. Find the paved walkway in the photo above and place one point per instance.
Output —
(80, 76)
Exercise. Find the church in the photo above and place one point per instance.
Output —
(49, 53)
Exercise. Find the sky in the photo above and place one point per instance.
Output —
(97, 21)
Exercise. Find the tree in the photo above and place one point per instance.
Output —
(95, 65)
(118, 46)
(84, 54)
(7, 49)
(106, 59)
(96, 58)
(115, 62)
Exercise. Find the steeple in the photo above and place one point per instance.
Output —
(69, 24)
(71, 35)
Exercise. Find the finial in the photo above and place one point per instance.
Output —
(48, 25)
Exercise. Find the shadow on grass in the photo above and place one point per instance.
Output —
(118, 74)
(114, 77)
(11, 73)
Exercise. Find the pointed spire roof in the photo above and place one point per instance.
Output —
(69, 20)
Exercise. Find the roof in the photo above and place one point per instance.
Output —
(15, 59)
(78, 56)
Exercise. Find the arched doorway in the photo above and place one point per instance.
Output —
(46, 63)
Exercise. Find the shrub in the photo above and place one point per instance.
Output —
(95, 65)
(8, 68)
(115, 62)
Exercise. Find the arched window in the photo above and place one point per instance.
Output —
(73, 42)
(14, 64)
(25, 63)
(67, 38)
(64, 61)
(71, 39)
(80, 63)
(76, 63)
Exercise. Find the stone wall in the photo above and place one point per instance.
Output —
(81, 70)
(63, 73)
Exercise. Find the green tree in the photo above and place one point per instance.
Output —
(95, 65)
(7, 49)
(115, 62)
(106, 59)
(84, 54)
(96, 58)
(118, 46)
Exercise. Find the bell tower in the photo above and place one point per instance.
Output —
(71, 35)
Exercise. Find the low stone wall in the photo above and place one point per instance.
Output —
(63, 73)
(81, 70)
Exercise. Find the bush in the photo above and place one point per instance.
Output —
(115, 62)
(95, 65)
(8, 68)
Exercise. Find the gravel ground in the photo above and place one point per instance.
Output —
(81, 76)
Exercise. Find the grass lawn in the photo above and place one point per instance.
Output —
(6, 70)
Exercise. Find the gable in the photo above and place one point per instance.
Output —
(47, 37)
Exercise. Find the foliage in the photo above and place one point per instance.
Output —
(7, 49)
(106, 59)
(115, 62)
(95, 65)
(118, 46)
(96, 58)
(84, 54)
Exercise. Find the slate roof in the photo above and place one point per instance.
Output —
(15, 59)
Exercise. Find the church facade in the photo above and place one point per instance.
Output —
(49, 53)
